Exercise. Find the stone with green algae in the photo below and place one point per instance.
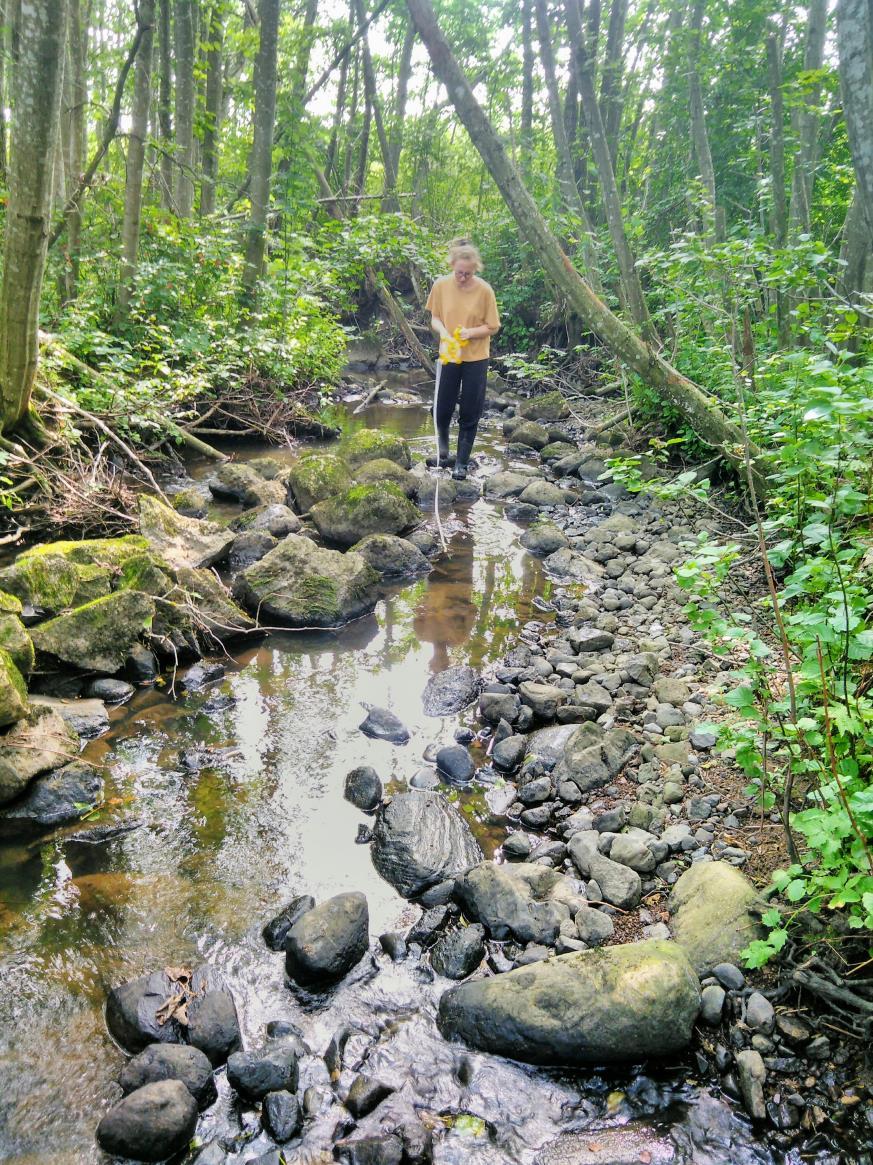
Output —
(97, 636)
(370, 444)
(378, 508)
(181, 541)
(56, 575)
(40, 741)
(15, 639)
(382, 469)
(550, 406)
(13, 693)
(316, 477)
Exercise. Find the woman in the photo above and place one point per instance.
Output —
(464, 302)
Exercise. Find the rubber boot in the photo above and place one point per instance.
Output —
(465, 448)
(444, 459)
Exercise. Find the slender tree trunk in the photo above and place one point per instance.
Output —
(348, 153)
(611, 103)
(855, 40)
(36, 97)
(525, 137)
(699, 134)
(330, 164)
(4, 52)
(363, 150)
(569, 191)
(856, 256)
(261, 157)
(139, 122)
(301, 65)
(165, 102)
(212, 110)
(697, 407)
(808, 123)
(630, 281)
(779, 209)
(184, 59)
(372, 92)
(404, 74)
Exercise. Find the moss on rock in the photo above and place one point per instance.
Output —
(378, 508)
(112, 552)
(181, 541)
(47, 582)
(98, 635)
(13, 693)
(15, 639)
(551, 406)
(9, 604)
(316, 477)
(381, 469)
(372, 444)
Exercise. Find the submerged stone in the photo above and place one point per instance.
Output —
(327, 941)
(151, 1124)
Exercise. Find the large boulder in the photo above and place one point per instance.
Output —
(316, 477)
(506, 484)
(65, 794)
(170, 1062)
(390, 556)
(421, 839)
(715, 914)
(505, 904)
(153, 1123)
(98, 635)
(545, 494)
(529, 434)
(13, 693)
(549, 406)
(56, 575)
(300, 584)
(372, 444)
(614, 1005)
(204, 606)
(451, 690)
(274, 519)
(378, 508)
(181, 541)
(327, 941)
(381, 469)
(237, 482)
(40, 742)
(543, 538)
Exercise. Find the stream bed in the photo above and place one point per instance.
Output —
(233, 794)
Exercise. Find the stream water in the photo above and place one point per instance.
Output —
(222, 842)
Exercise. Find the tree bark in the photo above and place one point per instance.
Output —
(855, 41)
(261, 157)
(856, 256)
(139, 122)
(699, 134)
(212, 110)
(184, 44)
(808, 123)
(611, 102)
(301, 65)
(632, 290)
(165, 103)
(525, 137)
(779, 208)
(36, 97)
(701, 410)
(333, 143)
(404, 74)
(373, 102)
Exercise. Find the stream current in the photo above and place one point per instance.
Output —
(223, 841)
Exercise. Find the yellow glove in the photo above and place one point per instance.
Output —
(450, 347)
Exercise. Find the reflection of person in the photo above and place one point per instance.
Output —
(446, 613)
(463, 308)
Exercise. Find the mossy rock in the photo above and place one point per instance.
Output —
(372, 444)
(112, 552)
(15, 639)
(98, 635)
(381, 469)
(379, 508)
(181, 541)
(316, 477)
(95, 581)
(9, 605)
(46, 582)
(551, 406)
(391, 556)
(147, 574)
(56, 575)
(209, 608)
(269, 468)
(300, 584)
(277, 520)
(555, 450)
(13, 693)
(530, 435)
(234, 480)
(190, 503)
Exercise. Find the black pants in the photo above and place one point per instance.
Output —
(467, 382)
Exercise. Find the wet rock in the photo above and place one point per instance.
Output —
(131, 1012)
(211, 1154)
(508, 753)
(506, 484)
(110, 690)
(98, 635)
(87, 718)
(141, 665)
(548, 406)
(394, 945)
(316, 477)
(587, 639)
(751, 1075)
(328, 940)
(497, 706)
(190, 503)
(382, 469)
(517, 847)
(424, 779)
(15, 640)
(151, 1124)
(419, 840)
(760, 1014)
(276, 519)
(272, 1068)
(392, 557)
(593, 926)
(529, 434)
(712, 921)
(363, 788)
(281, 1115)
(372, 444)
(423, 932)
(417, 1142)
(713, 1134)
(711, 1004)
(450, 691)
(365, 1095)
(250, 547)
(181, 541)
(619, 885)
(276, 931)
(382, 724)
(40, 742)
(213, 1024)
(455, 764)
(622, 1003)
(66, 794)
(379, 508)
(384, 1149)
(237, 481)
(543, 538)
(171, 1062)
(459, 953)
(630, 1145)
(300, 584)
(543, 699)
(545, 494)
(505, 904)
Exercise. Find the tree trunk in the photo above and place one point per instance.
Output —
(139, 122)
(333, 144)
(779, 211)
(165, 98)
(611, 103)
(35, 99)
(301, 65)
(701, 410)
(699, 135)
(212, 111)
(808, 122)
(363, 151)
(630, 281)
(261, 157)
(184, 38)
(525, 137)
(569, 191)
(373, 103)
(4, 52)
(855, 40)
(856, 256)
(404, 74)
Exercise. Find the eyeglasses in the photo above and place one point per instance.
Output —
(463, 274)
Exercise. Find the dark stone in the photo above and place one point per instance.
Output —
(420, 839)
(333, 1057)
(131, 1012)
(504, 904)
(437, 895)
(450, 691)
(459, 953)
(171, 1062)
(537, 818)
(423, 932)
(109, 690)
(384, 1149)
(141, 665)
(151, 1124)
(394, 945)
(730, 977)
(384, 725)
(281, 1115)
(211, 1154)
(276, 931)
(517, 847)
(508, 753)
(200, 674)
(364, 835)
(213, 1025)
(363, 788)
(249, 547)
(272, 1068)
(66, 794)
(366, 1094)
(456, 764)
(328, 940)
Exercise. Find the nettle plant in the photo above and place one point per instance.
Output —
(803, 730)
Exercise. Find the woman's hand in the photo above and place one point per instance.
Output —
(468, 333)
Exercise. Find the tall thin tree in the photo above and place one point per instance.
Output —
(261, 156)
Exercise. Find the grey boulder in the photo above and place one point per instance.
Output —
(421, 839)
(171, 1062)
(328, 940)
(151, 1124)
(450, 691)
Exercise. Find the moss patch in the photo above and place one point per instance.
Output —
(13, 693)
(317, 477)
(98, 635)
(15, 640)
(377, 508)
(370, 444)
